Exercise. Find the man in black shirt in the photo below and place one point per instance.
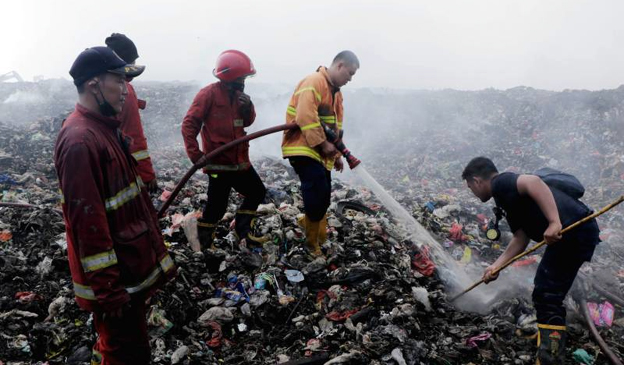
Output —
(537, 212)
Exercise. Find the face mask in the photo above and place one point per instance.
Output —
(493, 232)
(106, 109)
(237, 86)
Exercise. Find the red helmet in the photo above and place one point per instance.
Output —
(233, 64)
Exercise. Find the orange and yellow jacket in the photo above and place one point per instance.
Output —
(315, 100)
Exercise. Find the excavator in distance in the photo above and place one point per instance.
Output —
(11, 75)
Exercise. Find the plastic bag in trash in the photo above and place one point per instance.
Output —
(189, 225)
(601, 314)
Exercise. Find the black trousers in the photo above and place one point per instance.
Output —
(555, 276)
(247, 183)
(315, 186)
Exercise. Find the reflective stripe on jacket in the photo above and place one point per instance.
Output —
(131, 126)
(215, 113)
(114, 243)
(314, 101)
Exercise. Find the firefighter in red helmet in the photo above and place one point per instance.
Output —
(220, 112)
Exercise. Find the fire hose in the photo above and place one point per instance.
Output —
(542, 243)
(28, 206)
(331, 136)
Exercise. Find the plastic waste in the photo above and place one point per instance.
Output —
(472, 341)
(159, 325)
(582, 357)
(601, 314)
(294, 276)
(189, 225)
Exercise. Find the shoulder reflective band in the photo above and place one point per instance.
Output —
(99, 261)
(291, 110)
(141, 155)
(310, 88)
(122, 197)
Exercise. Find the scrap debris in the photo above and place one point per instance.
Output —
(375, 299)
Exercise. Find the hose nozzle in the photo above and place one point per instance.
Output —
(351, 160)
(337, 141)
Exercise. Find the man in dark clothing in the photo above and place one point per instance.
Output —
(117, 256)
(536, 211)
(220, 112)
(130, 118)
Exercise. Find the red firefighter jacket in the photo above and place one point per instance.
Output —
(220, 120)
(113, 240)
(131, 126)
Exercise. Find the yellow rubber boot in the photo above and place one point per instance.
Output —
(551, 342)
(301, 221)
(322, 237)
(206, 233)
(312, 236)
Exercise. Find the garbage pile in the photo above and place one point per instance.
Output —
(376, 299)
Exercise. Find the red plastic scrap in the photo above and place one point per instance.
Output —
(339, 317)
(526, 262)
(217, 335)
(375, 207)
(472, 341)
(27, 297)
(482, 218)
(422, 263)
(455, 233)
(165, 195)
(321, 295)
(5, 235)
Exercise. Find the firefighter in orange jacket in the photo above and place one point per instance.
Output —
(130, 117)
(220, 112)
(317, 100)
(117, 256)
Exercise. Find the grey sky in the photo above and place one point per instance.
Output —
(401, 44)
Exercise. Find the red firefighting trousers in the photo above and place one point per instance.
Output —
(123, 341)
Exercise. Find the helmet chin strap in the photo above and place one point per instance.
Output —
(106, 109)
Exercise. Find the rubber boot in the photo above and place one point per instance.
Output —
(312, 236)
(551, 341)
(206, 233)
(245, 223)
(322, 231)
